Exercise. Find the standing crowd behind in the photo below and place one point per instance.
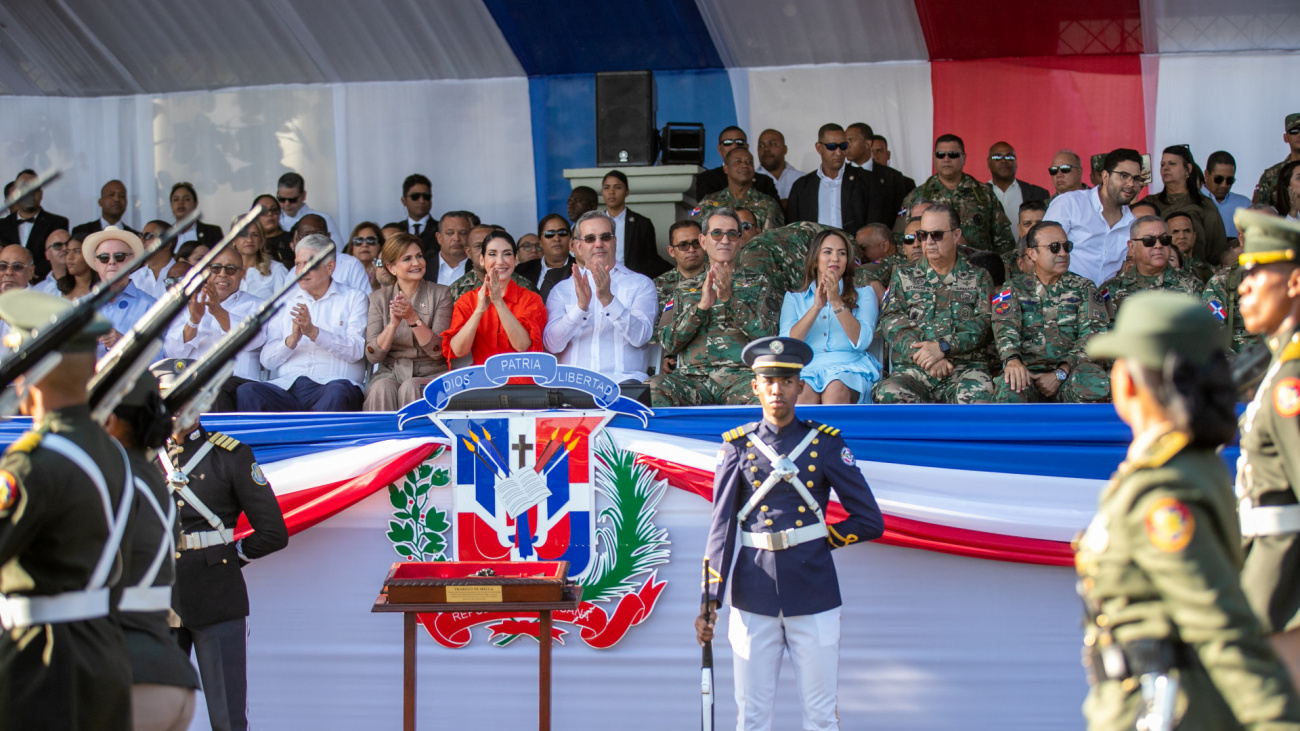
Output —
(953, 291)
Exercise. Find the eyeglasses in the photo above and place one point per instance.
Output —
(16, 267)
(365, 241)
(1219, 179)
(1067, 169)
(117, 256)
(932, 235)
(268, 210)
(1056, 246)
(230, 270)
(746, 225)
(1150, 241)
(737, 142)
(551, 233)
(687, 246)
(288, 200)
(420, 196)
(148, 236)
(950, 155)
(530, 247)
(591, 238)
(1123, 176)
(58, 247)
(909, 239)
(833, 146)
(1294, 130)
(718, 234)
(1009, 158)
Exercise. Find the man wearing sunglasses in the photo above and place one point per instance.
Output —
(1097, 220)
(715, 314)
(56, 253)
(108, 252)
(15, 267)
(1067, 172)
(112, 205)
(877, 275)
(1266, 189)
(417, 199)
(1151, 247)
(688, 254)
(1004, 186)
(291, 193)
(715, 179)
(984, 223)
(835, 194)
(1041, 322)
(740, 193)
(937, 322)
(1220, 175)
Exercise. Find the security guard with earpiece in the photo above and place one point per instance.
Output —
(214, 478)
(771, 491)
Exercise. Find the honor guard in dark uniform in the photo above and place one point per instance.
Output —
(1268, 471)
(771, 489)
(1170, 640)
(65, 504)
(214, 478)
(163, 680)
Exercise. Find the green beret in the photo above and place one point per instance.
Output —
(27, 312)
(1291, 120)
(1154, 323)
(1098, 162)
(1269, 238)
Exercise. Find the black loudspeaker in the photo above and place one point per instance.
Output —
(625, 118)
(682, 143)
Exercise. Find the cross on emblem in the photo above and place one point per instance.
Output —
(523, 447)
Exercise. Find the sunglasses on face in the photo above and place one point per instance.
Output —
(229, 270)
(737, 142)
(1150, 241)
(951, 155)
(365, 241)
(420, 196)
(148, 236)
(1294, 130)
(909, 239)
(592, 238)
(833, 146)
(530, 247)
(718, 234)
(932, 235)
(1056, 246)
(746, 226)
(58, 248)
(551, 233)
(1009, 158)
(1067, 169)
(687, 246)
(1219, 179)
(16, 267)
(268, 210)
(117, 256)
(287, 200)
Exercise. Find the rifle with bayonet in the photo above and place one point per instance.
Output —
(706, 665)
(118, 371)
(194, 392)
(40, 354)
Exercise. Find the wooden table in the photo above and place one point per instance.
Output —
(572, 598)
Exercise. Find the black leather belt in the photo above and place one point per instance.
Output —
(1139, 657)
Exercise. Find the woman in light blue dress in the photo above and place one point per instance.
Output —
(837, 321)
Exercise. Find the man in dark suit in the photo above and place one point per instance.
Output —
(893, 184)
(29, 225)
(713, 180)
(1009, 191)
(112, 205)
(880, 156)
(557, 258)
(854, 196)
(417, 198)
(637, 249)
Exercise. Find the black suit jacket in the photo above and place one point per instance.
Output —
(428, 234)
(712, 181)
(206, 234)
(532, 271)
(43, 225)
(894, 184)
(1031, 192)
(861, 200)
(92, 227)
(640, 252)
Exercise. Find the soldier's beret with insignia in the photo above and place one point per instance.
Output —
(776, 356)
(169, 371)
(1269, 239)
(28, 312)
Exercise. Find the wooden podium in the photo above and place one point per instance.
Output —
(516, 588)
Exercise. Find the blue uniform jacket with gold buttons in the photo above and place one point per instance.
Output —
(801, 579)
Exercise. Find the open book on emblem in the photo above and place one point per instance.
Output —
(521, 491)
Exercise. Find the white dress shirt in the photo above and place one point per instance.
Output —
(154, 286)
(264, 285)
(447, 274)
(240, 305)
(611, 340)
(25, 226)
(1010, 200)
(828, 199)
(783, 183)
(1099, 249)
(349, 271)
(287, 222)
(48, 285)
(335, 353)
(620, 222)
(412, 223)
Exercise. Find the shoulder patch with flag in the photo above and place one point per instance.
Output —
(669, 306)
(1217, 308)
(1104, 294)
(1170, 525)
(695, 212)
(1286, 397)
(1002, 296)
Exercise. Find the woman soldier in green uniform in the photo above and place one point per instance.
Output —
(1171, 641)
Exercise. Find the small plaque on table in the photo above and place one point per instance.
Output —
(476, 582)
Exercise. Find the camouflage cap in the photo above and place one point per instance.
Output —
(776, 356)
(1269, 239)
(1291, 120)
(1154, 323)
(28, 312)
(1098, 162)
(169, 371)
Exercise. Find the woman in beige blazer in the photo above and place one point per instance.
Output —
(403, 331)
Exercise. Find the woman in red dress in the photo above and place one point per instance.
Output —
(498, 317)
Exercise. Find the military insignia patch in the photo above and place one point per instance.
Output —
(1217, 308)
(1002, 308)
(8, 490)
(1286, 397)
(847, 457)
(1003, 296)
(1170, 525)
(258, 477)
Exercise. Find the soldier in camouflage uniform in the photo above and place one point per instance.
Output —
(740, 193)
(686, 252)
(909, 252)
(1222, 298)
(473, 277)
(937, 321)
(1184, 236)
(984, 223)
(1266, 189)
(1150, 245)
(714, 316)
(781, 253)
(1041, 321)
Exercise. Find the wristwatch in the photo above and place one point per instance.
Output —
(1061, 375)
(944, 347)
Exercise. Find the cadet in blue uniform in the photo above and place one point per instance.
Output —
(771, 488)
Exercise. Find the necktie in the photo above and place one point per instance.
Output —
(417, 230)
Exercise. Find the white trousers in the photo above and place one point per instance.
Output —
(757, 642)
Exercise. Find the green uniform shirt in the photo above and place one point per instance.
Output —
(882, 272)
(1266, 189)
(1118, 288)
(766, 208)
(984, 223)
(1047, 326)
(1197, 267)
(782, 253)
(922, 305)
(1221, 297)
(471, 280)
(1159, 561)
(706, 341)
(1211, 240)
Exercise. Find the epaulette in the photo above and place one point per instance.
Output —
(27, 442)
(1292, 350)
(227, 443)
(739, 431)
(1161, 451)
(823, 428)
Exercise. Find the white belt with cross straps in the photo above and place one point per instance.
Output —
(178, 479)
(144, 596)
(783, 469)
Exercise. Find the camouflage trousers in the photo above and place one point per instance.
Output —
(911, 385)
(1086, 384)
(724, 387)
